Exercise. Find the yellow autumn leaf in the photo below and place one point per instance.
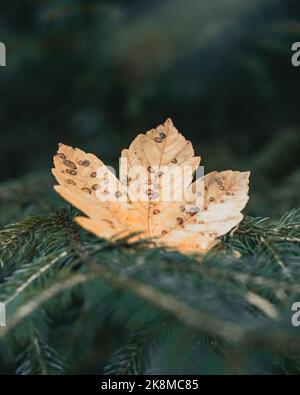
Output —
(155, 196)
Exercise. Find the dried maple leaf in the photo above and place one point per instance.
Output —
(145, 199)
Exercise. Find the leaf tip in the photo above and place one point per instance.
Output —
(169, 122)
(247, 174)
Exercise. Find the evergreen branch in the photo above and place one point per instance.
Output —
(262, 304)
(38, 357)
(167, 302)
(38, 300)
(15, 235)
(132, 357)
(287, 239)
(273, 253)
(242, 277)
(180, 310)
(63, 240)
(19, 277)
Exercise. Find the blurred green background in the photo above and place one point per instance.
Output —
(93, 74)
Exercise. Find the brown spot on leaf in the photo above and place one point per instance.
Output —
(84, 163)
(156, 211)
(193, 210)
(162, 135)
(69, 164)
(71, 171)
(87, 190)
(61, 155)
(174, 160)
(108, 221)
(93, 174)
(180, 221)
(158, 140)
(95, 187)
(71, 182)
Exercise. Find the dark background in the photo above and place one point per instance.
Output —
(93, 74)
